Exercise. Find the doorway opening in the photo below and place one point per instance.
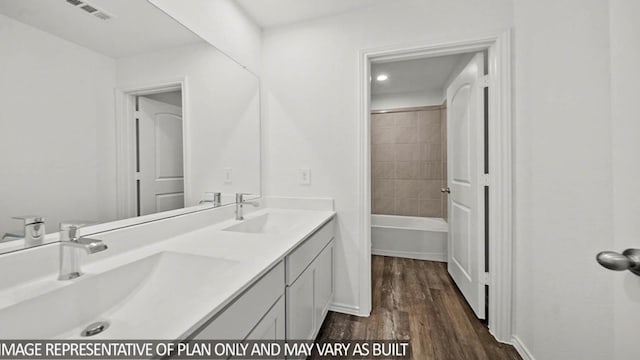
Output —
(152, 134)
(159, 156)
(427, 160)
(467, 211)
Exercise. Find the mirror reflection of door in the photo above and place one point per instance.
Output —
(160, 170)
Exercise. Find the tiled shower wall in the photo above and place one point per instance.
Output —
(409, 162)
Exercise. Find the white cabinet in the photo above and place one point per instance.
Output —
(323, 284)
(272, 325)
(300, 307)
(310, 284)
(240, 319)
(300, 258)
(289, 302)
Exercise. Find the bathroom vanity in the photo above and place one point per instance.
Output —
(202, 276)
(289, 302)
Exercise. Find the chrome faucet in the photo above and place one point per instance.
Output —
(216, 199)
(6, 237)
(70, 245)
(33, 230)
(240, 202)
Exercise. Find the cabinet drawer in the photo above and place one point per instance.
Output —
(236, 321)
(304, 254)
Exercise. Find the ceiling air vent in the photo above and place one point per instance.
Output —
(102, 15)
(90, 9)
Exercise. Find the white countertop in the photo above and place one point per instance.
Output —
(250, 256)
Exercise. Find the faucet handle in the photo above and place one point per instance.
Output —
(240, 196)
(69, 229)
(30, 219)
(212, 197)
(217, 198)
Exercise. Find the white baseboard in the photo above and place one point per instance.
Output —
(522, 350)
(411, 255)
(346, 309)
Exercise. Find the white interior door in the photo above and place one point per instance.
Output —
(626, 172)
(465, 125)
(161, 170)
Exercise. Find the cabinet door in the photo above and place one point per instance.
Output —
(323, 284)
(300, 307)
(271, 327)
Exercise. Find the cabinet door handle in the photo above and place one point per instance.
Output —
(446, 190)
(628, 260)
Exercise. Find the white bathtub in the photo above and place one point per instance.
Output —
(409, 237)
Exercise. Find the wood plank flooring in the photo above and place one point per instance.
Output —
(417, 301)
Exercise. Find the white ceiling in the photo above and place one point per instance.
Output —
(137, 25)
(419, 75)
(269, 13)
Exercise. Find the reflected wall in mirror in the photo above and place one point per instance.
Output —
(117, 112)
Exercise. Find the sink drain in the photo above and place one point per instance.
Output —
(95, 328)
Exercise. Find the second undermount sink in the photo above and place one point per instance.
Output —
(269, 223)
(134, 300)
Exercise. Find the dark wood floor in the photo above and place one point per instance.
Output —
(416, 300)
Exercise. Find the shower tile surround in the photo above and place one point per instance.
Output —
(409, 162)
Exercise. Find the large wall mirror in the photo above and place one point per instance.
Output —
(111, 109)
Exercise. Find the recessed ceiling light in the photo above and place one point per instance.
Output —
(382, 77)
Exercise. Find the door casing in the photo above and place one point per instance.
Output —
(500, 169)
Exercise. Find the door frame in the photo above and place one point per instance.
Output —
(126, 200)
(500, 167)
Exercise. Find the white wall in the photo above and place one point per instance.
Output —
(172, 98)
(406, 100)
(564, 198)
(222, 23)
(310, 96)
(563, 178)
(57, 137)
(222, 120)
(625, 57)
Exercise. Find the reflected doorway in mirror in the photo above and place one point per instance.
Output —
(159, 155)
(152, 137)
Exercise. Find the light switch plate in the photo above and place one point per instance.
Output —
(227, 175)
(304, 176)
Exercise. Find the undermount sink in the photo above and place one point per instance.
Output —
(263, 224)
(131, 300)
